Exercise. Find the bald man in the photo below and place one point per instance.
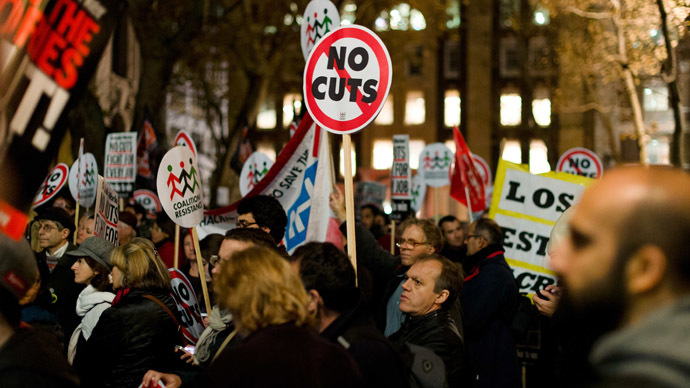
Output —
(625, 267)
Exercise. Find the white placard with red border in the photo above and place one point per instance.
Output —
(347, 79)
(185, 140)
(320, 18)
(179, 187)
(581, 161)
(253, 171)
(187, 305)
(484, 169)
(148, 200)
(55, 180)
(107, 213)
(88, 169)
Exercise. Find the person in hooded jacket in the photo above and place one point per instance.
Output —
(140, 330)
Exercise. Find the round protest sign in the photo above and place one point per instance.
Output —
(55, 180)
(185, 140)
(320, 18)
(253, 170)
(417, 191)
(89, 180)
(179, 187)
(434, 164)
(148, 200)
(483, 168)
(581, 161)
(187, 305)
(347, 79)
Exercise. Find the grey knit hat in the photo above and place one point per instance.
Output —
(96, 248)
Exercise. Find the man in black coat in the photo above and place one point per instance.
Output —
(54, 235)
(418, 238)
(489, 301)
(453, 238)
(343, 315)
(431, 287)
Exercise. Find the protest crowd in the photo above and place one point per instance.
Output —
(444, 312)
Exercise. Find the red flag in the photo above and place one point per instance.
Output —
(465, 180)
(145, 147)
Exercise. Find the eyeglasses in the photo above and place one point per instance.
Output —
(242, 224)
(47, 227)
(214, 260)
(412, 243)
(469, 236)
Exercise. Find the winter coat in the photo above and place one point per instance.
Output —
(436, 331)
(131, 337)
(33, 358)
(653, 352)
(376, 357)
(283, 356)
(90, 305)
(489, 300)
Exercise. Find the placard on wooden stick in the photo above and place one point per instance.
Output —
(346, 81)
(181, 195)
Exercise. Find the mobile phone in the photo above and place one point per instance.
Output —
(180, 348)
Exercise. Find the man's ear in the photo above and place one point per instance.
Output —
(645, 270)
(315, 301)
(267, 230)
(441, 297)
(65, 233)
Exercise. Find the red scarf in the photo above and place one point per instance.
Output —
(120, 293)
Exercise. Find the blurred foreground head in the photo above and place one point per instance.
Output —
(18, 273)
(626, 253)
(258, 287)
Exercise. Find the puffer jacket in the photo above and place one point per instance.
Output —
(436, 331)
(131, 337)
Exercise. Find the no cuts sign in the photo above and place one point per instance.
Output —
(581, 161)
(185, 140)
(347, 79)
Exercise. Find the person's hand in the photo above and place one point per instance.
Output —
(152, 377)
(337, 203)
(548, 304)
(186, 356)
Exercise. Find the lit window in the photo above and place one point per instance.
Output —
(267, 115)
(655, 100)
(401, 18)
(453, 14)
(541, 109)
(415, 110)
(511, 109)
(658, 151)
(385, 117)
(383, 154)
(416, 147)
(451, 113)
(267, 149)
(541, 16)
(292, 103)
(538, 157)
(512, 151)
(347, 15)
(353, 157)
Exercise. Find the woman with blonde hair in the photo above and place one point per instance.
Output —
(140, 330)
(280, 348)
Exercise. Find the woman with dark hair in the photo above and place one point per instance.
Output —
(162, 235)
(209, 247)
(140, 330)
(92, 268)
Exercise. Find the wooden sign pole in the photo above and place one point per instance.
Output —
(176, 261)
(436, 215)
(202, 272)
(76, 222)
(393, 238)
(350, 203)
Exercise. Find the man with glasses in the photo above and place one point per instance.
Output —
(385, 271)
(263, 212)
(489, 299)
(55, 236)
